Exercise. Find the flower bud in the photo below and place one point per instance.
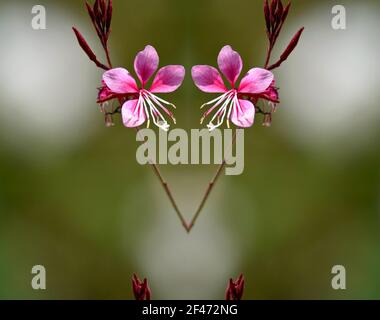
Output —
(140, 288)
(235, 289)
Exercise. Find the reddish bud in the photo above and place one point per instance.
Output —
(267, 15)
(280, 9)
(103, 7)
(272, 11)
(90, 12)
(285, 12)
(292, 44)
(140, 288)
(84, 45)
(99, 18)
(273, 5)
(101, 15)
(93, 15)
(86, 48)
(289, 49)
(235, 289)
(109, 16)
(96, 8)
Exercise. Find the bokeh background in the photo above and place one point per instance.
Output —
(73, 198)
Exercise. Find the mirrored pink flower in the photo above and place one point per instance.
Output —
(235, 104)
(142, 104)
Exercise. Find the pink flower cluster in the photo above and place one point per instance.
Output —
(143, 105)
(139, 103)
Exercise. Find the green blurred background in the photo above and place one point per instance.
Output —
(73, 198)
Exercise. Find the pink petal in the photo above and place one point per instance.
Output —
(271, 93)
(208, 79)
(146, 63)
(256, 81)
(245, 115)
(133, 115)
(120, 81)
(168, 79)
(230, 63)
(104, 93)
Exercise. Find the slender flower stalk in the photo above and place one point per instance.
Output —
(136, 104)
(208, 79)
(210, 187)
(139, 104)
(168, 191)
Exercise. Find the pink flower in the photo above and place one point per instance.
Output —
(233, 103)
(142, 104)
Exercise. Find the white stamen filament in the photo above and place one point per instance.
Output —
(136, 110)
(218, 99)
(228, 94)
(156, 114)
(154, 97)
(146, 103)
(156, 100)
(224, 110)
(217, 114)
(230, 111)
(146, 111)
(238, 104)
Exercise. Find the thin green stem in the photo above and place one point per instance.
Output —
(210, 187)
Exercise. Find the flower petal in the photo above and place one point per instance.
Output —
(168, 79)
(271, 93)
(104, 93)
(120, 81)
(133, 114)
(146, 63)
(230, 63)
(243, 115)
(208, 79)
(257, 80)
